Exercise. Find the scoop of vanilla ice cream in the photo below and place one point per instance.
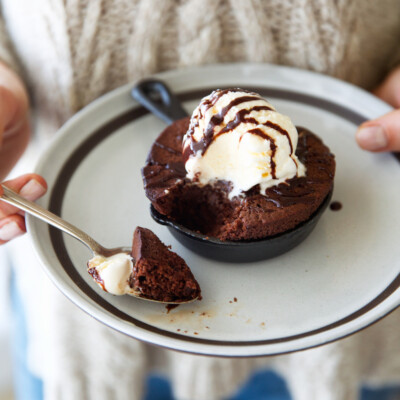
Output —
(237, 136)
(113, 273)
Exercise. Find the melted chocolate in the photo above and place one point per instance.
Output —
(293, 191)
(186, 153)
(335, 206)
(240, 118)
(208, 103)
(281, 130)
(96, 276)
(217, 120)
(261, 133)
(296, 190)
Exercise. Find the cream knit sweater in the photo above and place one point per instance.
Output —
(72, 51)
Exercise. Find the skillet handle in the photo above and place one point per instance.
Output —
(156, 97)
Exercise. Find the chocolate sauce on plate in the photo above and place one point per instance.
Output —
(335, 206)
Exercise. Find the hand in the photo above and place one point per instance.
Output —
(383, 133)
(12, 223)
(14, 122)
(14, 137)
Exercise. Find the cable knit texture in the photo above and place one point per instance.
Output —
(72, 51)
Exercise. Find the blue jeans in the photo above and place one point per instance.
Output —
(262, 385)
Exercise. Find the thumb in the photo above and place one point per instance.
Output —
(389, 89)
(8, 108)
(381, 134)
(13, 101)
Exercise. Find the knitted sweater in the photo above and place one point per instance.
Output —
(71, 52)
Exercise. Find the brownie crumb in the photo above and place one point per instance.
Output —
(170, 307)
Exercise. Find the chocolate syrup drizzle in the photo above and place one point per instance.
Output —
(169, 149)
(261, 133)
(240, 117)
(96, 276)
(301, 189)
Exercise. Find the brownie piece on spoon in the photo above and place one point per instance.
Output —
(159, 273)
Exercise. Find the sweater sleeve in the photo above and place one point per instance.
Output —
(7, 54)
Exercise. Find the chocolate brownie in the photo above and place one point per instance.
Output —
(207, 209)
(159, 273)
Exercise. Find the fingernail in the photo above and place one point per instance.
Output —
(32, 190)
(372, 138)
(10, 231)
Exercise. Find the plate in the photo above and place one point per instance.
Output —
(344, 277)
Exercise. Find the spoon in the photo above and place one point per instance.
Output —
(9, 196)
(157, 98)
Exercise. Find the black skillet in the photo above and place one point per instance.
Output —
(156, 97)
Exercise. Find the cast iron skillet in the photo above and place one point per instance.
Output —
(156, 97)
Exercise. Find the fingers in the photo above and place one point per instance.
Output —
(8, 108)
(10, 81)
(389, 90)
(11, 227)
(14, 121)
(13, 102)
(381, 134)
(12, 224)
(12, 148)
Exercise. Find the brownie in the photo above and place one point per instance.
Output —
(208, 209)
(159, 273)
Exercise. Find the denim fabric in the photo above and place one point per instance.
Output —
(262, 385)
(26, 385)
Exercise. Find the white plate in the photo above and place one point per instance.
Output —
(344, 277)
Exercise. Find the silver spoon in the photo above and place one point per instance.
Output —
(9, 196)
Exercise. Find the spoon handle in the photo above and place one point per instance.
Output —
(156, 97)
(34, 209)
